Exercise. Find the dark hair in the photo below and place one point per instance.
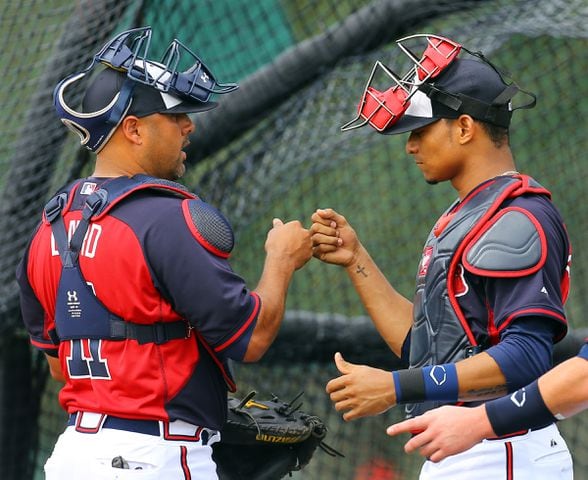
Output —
(498, 135)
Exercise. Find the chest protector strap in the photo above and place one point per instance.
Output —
(79, 313)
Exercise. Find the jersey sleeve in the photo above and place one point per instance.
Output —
(541, 291)
(198, 280)
(36, 321)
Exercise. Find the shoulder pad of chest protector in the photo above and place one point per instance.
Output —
(210, 228)
(511, 244)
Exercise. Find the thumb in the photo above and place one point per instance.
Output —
(277, 222)
(342, 365)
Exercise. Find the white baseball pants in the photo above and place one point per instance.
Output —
(536, 455)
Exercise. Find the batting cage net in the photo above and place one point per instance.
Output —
(275, 149)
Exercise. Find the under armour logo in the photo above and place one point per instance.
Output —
(72, 296)
(204, 77)
(438, 374)
(519, 397)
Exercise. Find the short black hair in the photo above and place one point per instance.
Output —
(498, 135)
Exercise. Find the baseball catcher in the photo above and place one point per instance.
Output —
(267, 439)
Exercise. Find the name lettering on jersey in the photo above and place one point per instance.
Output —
(90, 243)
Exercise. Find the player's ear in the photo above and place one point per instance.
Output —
(465, 128)
(129, 127)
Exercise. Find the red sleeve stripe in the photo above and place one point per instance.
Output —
(244, 327)
(43, 345)
(544, 312)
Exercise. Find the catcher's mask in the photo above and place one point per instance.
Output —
(438, 84)
(133, 84)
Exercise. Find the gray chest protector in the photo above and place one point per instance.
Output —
(466, 237)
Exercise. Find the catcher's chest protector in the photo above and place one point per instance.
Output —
(79, 313)
(440, 332)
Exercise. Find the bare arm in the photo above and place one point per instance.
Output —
(335, 242)
(288, 248)
(480, 378)
(565, 388)
(362, 391)
(55, 368)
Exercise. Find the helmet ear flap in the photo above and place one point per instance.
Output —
(82, 132)
(93, 128)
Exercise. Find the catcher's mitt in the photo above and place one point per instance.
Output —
(267, 439)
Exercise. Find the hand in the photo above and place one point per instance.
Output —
(444, 431)
(361, 390)
(333, 239)
(290, 241)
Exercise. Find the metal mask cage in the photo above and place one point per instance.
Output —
(128, 53)
(382, 109)
(195, 83)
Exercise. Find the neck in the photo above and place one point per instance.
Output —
(114, 163)
(484, 167)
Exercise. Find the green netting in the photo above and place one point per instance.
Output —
(276, 150)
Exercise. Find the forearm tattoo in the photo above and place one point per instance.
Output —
(486, 393)
(361, 271)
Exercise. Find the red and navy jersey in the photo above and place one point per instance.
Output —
(146, 263)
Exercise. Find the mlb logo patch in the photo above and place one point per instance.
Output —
(425, 260)
(88, 188)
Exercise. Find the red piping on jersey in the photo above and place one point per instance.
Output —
(245, 325)
(492, 330)
(509, 435)
(229, 381)
(201, 240)
(507, 273)
(538, 311)
(142, 187)
(43, 346)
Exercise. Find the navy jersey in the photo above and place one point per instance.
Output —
(146, 263)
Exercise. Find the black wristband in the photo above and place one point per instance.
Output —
(409, 385)
(522, 410)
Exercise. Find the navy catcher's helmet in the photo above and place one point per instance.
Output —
(439, 84)
(133, 84)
